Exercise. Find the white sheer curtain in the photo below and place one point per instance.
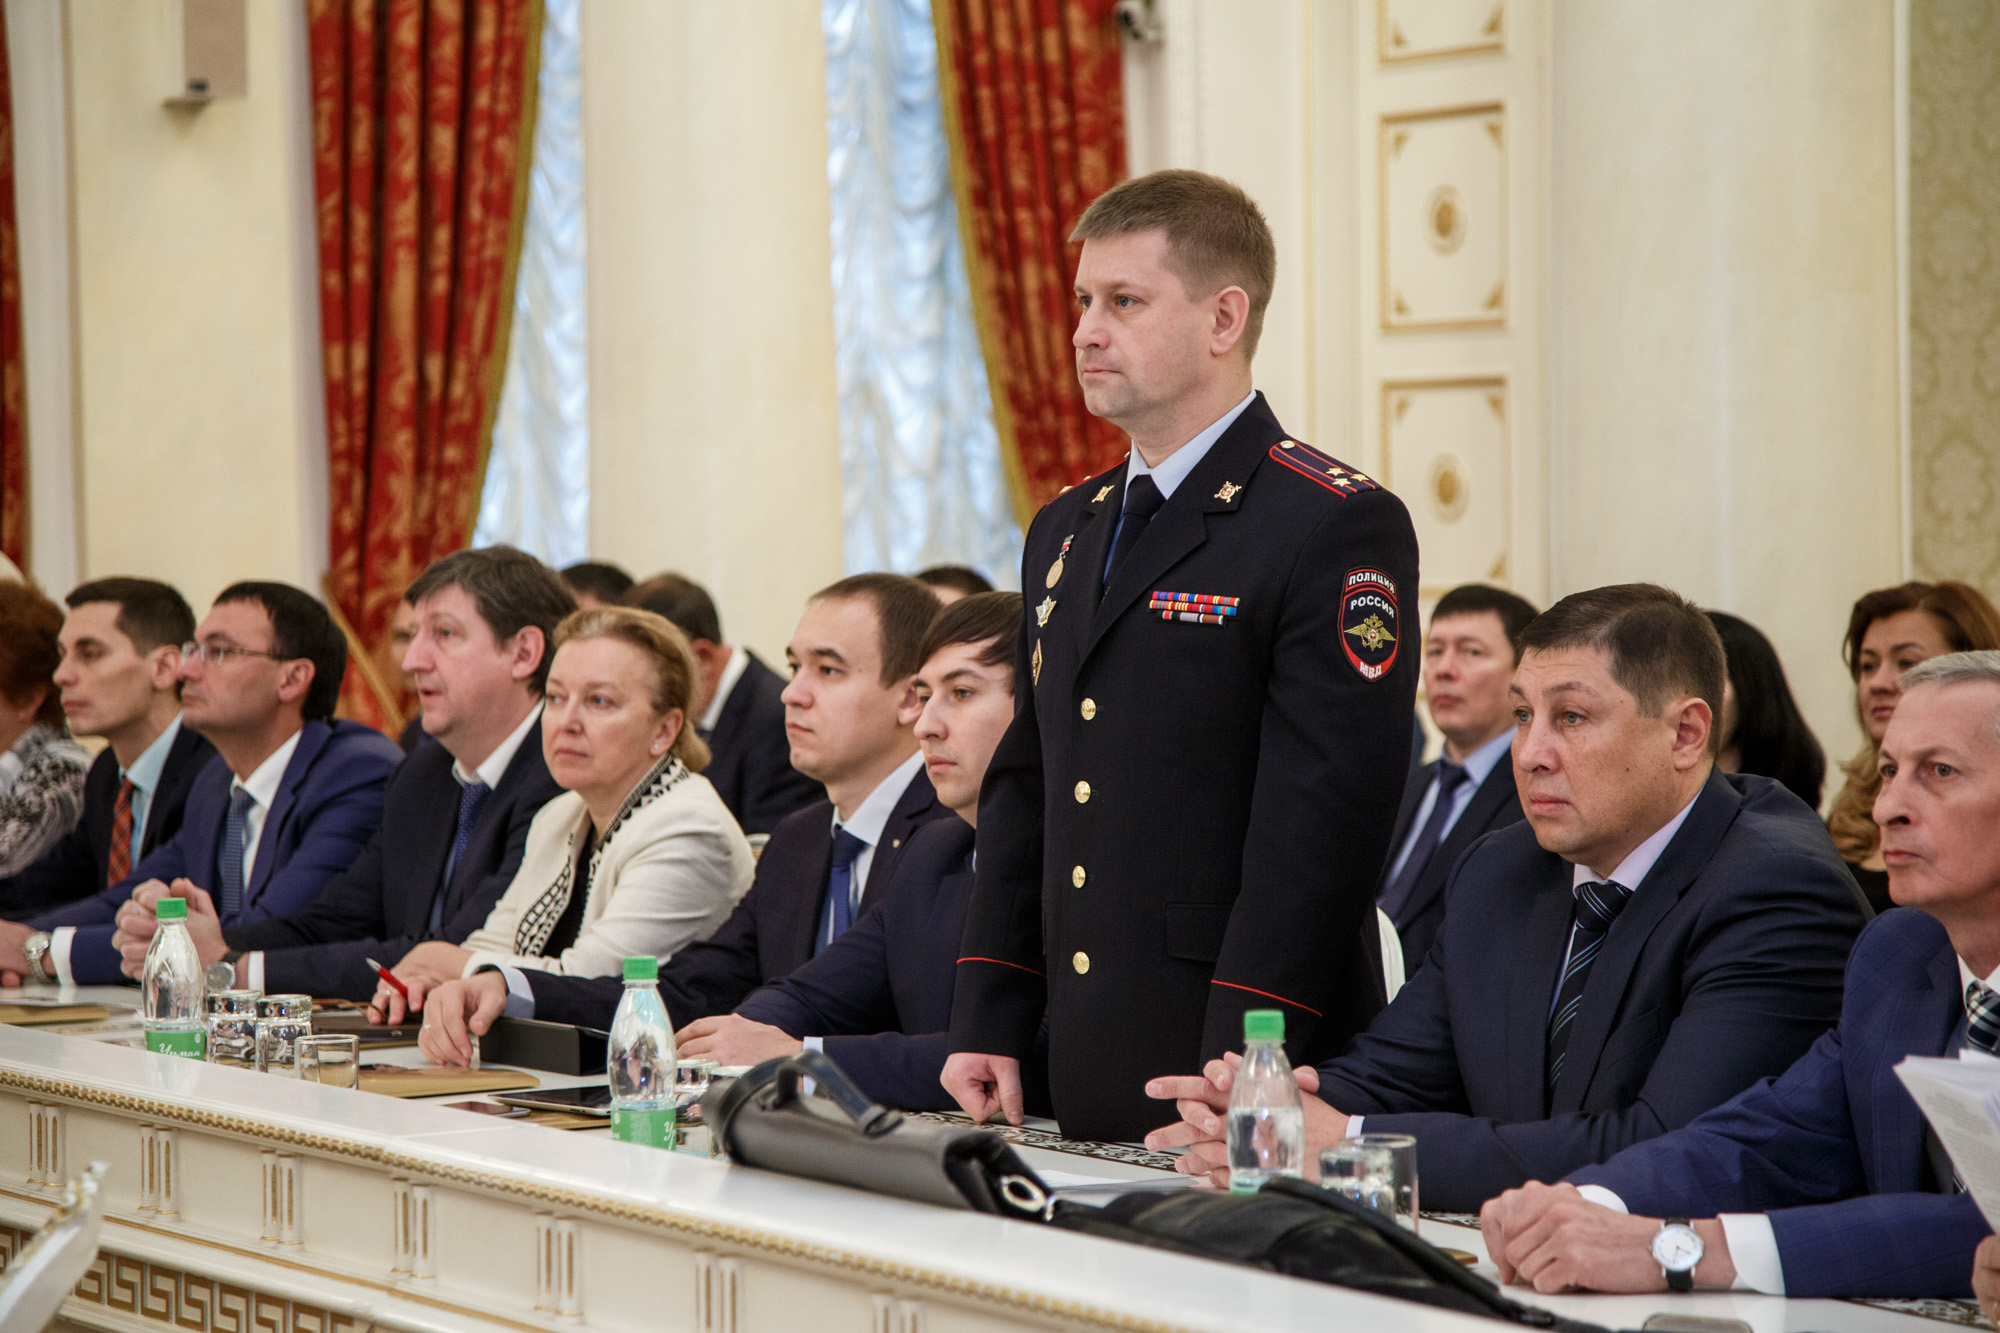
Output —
(921, 474)
(537, 494)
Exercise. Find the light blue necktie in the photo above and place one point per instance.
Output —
(839, 912)
(234, 831)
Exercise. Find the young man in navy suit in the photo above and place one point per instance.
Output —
(1469, 658)
(743, 710)
(1654, 938)
(1825, 1181)
(878, 999)
(850, 710)
(119, 677)
(291, 799)
(456, 816)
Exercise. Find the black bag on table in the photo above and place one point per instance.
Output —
(1300, 1230)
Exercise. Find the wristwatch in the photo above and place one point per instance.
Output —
(1678, 1250)
(36, 947)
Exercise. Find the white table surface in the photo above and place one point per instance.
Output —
(840, 1216)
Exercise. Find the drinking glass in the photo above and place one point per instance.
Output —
(691, 1080)
(232, 1027)
(332, 1059)
(1377, 1171)
(281, 1021)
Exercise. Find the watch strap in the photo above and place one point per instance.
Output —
(1681, 1279)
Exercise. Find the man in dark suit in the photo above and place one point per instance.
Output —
(1825, 1181)
(1655, 938)
(1469, 658)
(455, 820)
(850, 710)
(1190, 814)
(289, 801)
(121, 650)
(743, 710)
(878, 999)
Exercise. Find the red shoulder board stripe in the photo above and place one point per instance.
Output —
(1328, 471)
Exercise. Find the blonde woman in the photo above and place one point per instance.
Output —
(639, 855)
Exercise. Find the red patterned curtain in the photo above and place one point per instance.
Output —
(1033, 95)
(13, 387)
(423, 117)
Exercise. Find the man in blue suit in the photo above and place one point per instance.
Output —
(1825, 1181)
(290, 799)
(1653, 939)
(878, 999)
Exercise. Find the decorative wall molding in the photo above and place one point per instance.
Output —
(1442, 183)
(284, 1209)
(557, 1284)
(48, 1136)
(159, 1171)
(893, 1315)
(718, 1292)
(1446, 450)
(1413, 30)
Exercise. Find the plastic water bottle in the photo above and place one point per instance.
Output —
(641, 1051)
(1267, 1123)
(173, 985)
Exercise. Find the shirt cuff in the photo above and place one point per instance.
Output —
(253, 970)
(520, 995)
(60, 940)
(815, 1044)
(1354, 1127)
(1753, 1248)
(1602, 1197)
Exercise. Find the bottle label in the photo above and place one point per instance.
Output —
(651, 1129)
(186, 1043)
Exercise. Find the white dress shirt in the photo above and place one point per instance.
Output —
(1478, 766)
(144, 775)
(732, 672)
(1174, 470)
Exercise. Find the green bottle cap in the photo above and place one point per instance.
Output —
(643, 968)
(1263, 1025)
(171, 909)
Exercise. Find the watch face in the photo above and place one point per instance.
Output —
(1677, 1249)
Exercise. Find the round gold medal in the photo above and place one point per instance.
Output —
(1055, 573)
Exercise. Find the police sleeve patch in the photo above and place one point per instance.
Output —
(1369, 624)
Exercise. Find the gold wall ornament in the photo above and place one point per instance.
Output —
(1441, 205)
(1410, 31)
(1449, 488)
(1446, 210)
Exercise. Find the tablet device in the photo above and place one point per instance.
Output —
(579, 1101)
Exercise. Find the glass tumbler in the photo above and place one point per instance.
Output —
(330, 1059)
(1377, 1171)
(281, 1021)
(232, 1027)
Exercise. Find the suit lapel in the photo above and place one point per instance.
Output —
(1083, 568)
(312, 739)
(1181, 526)
(1920, 1020)
(1531, 990)
(186, 758)
(430, 848)
(1680, 864)
(912, 808)
(1413, 796)
(1471, 825)
(735, 708)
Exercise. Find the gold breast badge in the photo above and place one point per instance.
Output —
(1230, 490)
(1056, 570)
(1035, 664)
(1098, 498)
(1042, 612)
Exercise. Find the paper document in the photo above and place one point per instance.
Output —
(1961, 1099)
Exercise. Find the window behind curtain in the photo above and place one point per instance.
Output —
(921, 475)
(537, 494)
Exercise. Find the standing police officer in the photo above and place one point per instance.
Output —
(1189, 814)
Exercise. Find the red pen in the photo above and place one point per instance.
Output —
(391, 978)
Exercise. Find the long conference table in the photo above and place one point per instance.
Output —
(239, 1202)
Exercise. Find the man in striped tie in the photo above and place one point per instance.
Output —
(1654, 938)
(1826, 1181)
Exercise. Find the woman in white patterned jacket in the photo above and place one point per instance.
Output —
(639, 855)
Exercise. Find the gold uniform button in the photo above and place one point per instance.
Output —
(1081, 962)
(1082, 792)
(1089, 709)
(1077, 877)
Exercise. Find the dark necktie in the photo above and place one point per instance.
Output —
(1142, 501)
(471, 799)
(1396, 895)
(839, 913)
(1597, 906)
(235, 830)
(1982, 1017)
(119, 863)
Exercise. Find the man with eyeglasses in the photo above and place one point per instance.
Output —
(290, 800)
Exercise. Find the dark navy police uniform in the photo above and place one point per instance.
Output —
(1190, 812)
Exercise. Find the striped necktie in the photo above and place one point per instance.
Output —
(1982, 1017)
(1597, 906)
(235, 831)
(118, 864)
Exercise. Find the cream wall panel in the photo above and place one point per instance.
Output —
(1446, 454)
(190, 411)
(713, 420)
(1724, 396)
(1433, 29)
(1443, 182)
